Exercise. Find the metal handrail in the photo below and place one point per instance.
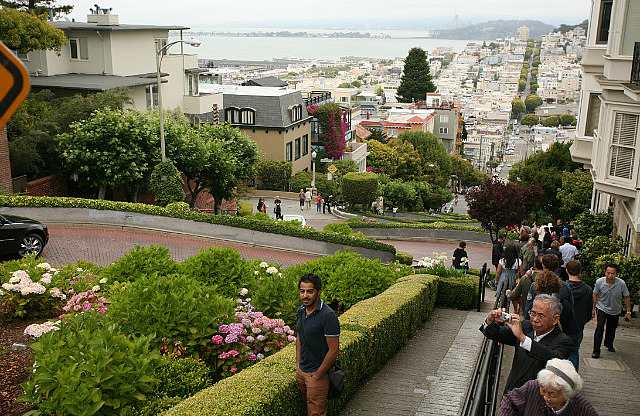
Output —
(482, 396)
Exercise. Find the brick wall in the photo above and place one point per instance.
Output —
(48, 186)
(6, 184)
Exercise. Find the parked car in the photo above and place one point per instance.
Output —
(22, 236)
(291, 217)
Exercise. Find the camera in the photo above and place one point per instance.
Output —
(506, 316)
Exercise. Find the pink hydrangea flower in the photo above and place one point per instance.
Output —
(217, 339)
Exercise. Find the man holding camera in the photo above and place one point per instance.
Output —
(536, 341)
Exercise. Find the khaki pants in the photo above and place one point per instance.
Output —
(314, 392)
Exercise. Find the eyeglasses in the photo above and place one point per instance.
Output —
(533, 314)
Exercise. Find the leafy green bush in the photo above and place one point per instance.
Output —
(273, 293)
(347, 278)
(338, 228)
(273, 174)
(360, 188)
(594, 248)
(588, 225)
(177, 207)
(458, 292)
(404, 258)
(153, 406)
(228, 220)
(90, 368)
(139, 262)
(178, 308)
(182, 377)
(166, 183)
(245, 208)
(219, 268)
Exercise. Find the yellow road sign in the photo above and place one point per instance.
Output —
(14, 83)
(332, 168)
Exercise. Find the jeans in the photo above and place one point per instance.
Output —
(574, 357)
(609, 335)
(508, 277)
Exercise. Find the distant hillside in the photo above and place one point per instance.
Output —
(565, 28)
(497, 29)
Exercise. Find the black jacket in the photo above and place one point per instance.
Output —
(458, 254)
(496, 253)
(582, 302)
(527, 364)
(568, 320)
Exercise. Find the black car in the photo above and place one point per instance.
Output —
(22, 236)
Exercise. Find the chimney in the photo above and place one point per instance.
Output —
(102, 16)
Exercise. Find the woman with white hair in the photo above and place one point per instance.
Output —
(554, 392)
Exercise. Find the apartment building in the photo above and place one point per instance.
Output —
(103, 54)
(608, 132)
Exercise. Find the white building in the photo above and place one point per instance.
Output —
(607, 137)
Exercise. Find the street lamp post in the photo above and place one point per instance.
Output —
(159, 56)
(313, 167)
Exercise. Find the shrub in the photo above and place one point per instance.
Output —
(595, 248)
(139, 262)
(115, 369)
(219, 268)
(166, 183)
(245, 208)
(177, 208)
(181, 377)
(273, 293)
(273, 174)
(458, 292)
(338, 228)
(360, 188)
(178, 308)
(302, 180)
(588, 225)
(404, 258)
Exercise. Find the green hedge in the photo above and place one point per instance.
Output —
(371, 332)
(229, 220)
(458, 292)
(404, 258)
(438, 225)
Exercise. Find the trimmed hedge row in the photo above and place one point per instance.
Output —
(438, 225)
(229, 220)
(458, 292)
(371, 332)
(404, 258)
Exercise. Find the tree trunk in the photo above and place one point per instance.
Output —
(102, 191)
(134, 195)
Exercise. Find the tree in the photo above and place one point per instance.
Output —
(546, 168)
(344, 85)
(273, 174)
(25, 32)
(166, 184)
(551, 121)
(232, 159)
(378, 135)
(382, 158)
(567, 119)
(532, 101)
(530, 120)
(416, 79)
(40, 7)
(522, 84)
(111, 149)
(409, 162)
(360, 188)
(399, 193)
(575, 194)
(517, 107)
(190, 153)
(496, 205)
(439, 196)
(332, 127)
(436, 164)
(466, 173)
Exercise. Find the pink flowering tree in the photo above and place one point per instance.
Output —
(333, 127)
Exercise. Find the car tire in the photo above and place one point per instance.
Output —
(31, 244)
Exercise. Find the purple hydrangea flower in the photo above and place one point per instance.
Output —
(231, 338)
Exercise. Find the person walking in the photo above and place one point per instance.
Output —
(301, 197)
(319, 203)
(307, 198)
(277, 209)
(317, 345)
(460, 258)
(509, 268)
(327, 204)
(261, 207)
(497, 250)
(582, 307)
(608, 291)
(568, 252)
(528, 252)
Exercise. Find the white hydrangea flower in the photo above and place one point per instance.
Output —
(44, 265)
(8, 286)
(272, 270)
(46, 278)
(103, 280)
(20, 274)
(244, 291)
(264, 265)
(96, 288)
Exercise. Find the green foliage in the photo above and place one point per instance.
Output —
(551, 121)
(404, 258)
(517, 106)
(416, 79)
(594, 248)
(181, 377)
(177, 207)
(589, 225)
(458, 292)
(436, 164)
(275, 295)
(338, 228)
(245, 208)
(114, 370)
(250, 223)
(166, 183)
(38, 7)
(273, 174)
(24, 32)
(409, 162)
(439, 196)
(360, 188)
(302, 180)
(629, 271)
(152, 406)
(382, 158)
(140, 262)
(347, 278)
(178, 308)
(575, 194)
(219, 268)
(400, 194)
(377, 135)
(530, 120)
(567, 119)
(532, 101)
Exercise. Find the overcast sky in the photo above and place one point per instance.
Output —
(353, 13)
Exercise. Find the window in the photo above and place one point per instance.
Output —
(392, 132)
(605, 21)
(298, 148)
(289, 151)
(296, 112)
(444, 130)
(161, 43)
(593, 114)
(247, 116)
(79, 48)
(623, 145)
(305, 144)
(152, 96)
(232, 115)
(444, 119)
(193, 81)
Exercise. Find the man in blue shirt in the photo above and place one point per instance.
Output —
(317, 344)
(607, 294)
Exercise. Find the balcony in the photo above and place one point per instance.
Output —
(356, 152)
(581, 151)
(201, 104)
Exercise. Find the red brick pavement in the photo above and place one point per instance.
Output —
(104, 246)
(478, 253)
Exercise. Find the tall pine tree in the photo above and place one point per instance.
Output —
(416, 79)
